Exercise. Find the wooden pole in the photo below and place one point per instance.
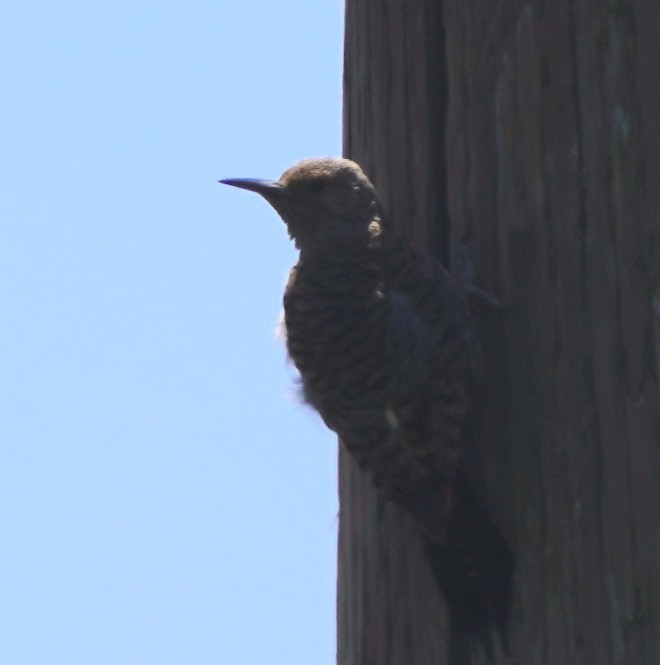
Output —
(535, 129)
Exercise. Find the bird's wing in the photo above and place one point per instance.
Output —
(432, 346)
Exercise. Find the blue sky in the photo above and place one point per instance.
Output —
(163, 496)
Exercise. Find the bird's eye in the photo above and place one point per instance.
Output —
(317, 185)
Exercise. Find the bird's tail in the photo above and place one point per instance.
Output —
(474, 569)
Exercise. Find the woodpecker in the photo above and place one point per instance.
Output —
(381, 335)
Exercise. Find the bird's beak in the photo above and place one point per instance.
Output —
(269, 189)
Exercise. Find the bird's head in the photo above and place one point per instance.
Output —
(326, 203)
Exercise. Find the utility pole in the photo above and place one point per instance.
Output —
(533, 130)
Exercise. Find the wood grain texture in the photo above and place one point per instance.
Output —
(395, 95)
(543, 144)
(552, 173)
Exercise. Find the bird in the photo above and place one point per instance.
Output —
(381, 335)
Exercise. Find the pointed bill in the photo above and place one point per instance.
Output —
(267, 188)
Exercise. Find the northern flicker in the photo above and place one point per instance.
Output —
(381, 336)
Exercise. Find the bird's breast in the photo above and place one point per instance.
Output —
(337, 337)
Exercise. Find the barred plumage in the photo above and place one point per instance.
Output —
(380, 334)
